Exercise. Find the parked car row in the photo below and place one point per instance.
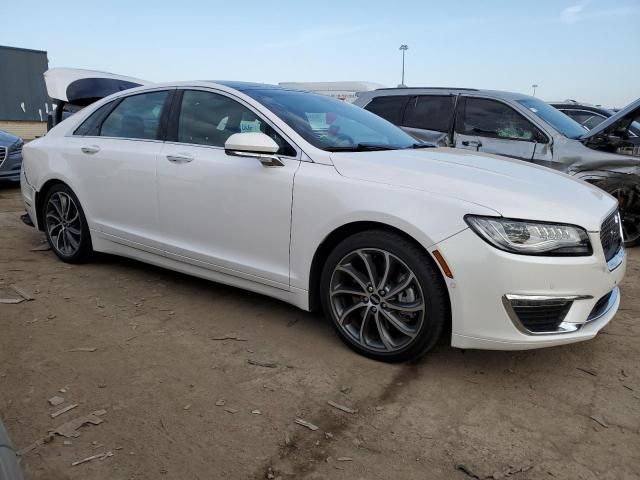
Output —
(526, 128)
(326, 205)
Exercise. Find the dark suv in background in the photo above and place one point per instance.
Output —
(525, 128)
(590, 116)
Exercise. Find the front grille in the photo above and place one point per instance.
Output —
(541, 315)
(610, 236)
(3, 155)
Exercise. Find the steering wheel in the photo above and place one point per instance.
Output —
(343, 140)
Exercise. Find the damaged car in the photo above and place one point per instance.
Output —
(526, 128)
(324, 205)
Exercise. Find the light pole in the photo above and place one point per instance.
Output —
(534, 86)
(403, 48)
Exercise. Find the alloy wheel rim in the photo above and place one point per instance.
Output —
(377, 300)
(63, 223)
(630, 222)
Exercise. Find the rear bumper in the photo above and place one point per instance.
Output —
(29, 199)
(485, 276)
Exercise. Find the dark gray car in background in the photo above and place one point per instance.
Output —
(10, 156)
(9, 468)
(526, 128)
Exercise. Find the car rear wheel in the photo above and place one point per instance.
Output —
(384, 296)
(628, 195)
(66, 226)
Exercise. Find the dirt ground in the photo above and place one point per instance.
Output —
(162, 373)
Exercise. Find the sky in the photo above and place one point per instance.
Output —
(587, 50)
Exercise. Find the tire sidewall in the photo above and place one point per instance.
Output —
(428, 277)
(85, 249)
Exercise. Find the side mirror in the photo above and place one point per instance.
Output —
(254, 145)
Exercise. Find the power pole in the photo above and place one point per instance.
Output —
(403, 48)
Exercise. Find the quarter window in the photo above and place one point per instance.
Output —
(430, 112)
(91, 125)
(210, 119)
(489, 118)
(389, 107)
(137, 116)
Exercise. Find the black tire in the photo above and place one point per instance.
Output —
(430, 286)
(84, 250)
(627, 192)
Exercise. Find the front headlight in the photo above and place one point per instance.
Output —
(529, 237)
(16, 147)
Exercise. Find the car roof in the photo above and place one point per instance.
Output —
(443, 90)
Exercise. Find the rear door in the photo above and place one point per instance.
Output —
(492, 126)
(116, 151)
(428, 118)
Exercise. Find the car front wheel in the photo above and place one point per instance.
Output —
(384, 296)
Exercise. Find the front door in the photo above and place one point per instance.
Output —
(227, 213)
(491, 126)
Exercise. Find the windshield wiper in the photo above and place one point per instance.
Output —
(423, 145)
(362, 147)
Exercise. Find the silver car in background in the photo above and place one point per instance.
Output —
(526, 128)
(10, 156)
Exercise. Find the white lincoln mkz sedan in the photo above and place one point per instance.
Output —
(325, 205)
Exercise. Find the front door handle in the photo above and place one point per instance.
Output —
(472, 143)
(90, 150)
(180, 158)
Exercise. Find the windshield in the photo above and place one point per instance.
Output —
(331, 124)
(558, 120)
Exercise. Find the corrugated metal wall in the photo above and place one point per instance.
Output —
(23, 94)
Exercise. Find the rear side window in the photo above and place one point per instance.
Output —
(489, 118)
(92, 124)
(210, 119)
(430, 112)
(137, 116)
(390, 107)
(585, 118)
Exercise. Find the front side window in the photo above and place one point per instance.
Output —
(390, 107)
(490, 118)
(330, 124)
(430, 112)
(554, 117)
(210, 119)
(137, 116)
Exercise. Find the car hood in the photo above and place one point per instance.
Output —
(83, 87)
(620, 120)
(7, 139)
(512, 188)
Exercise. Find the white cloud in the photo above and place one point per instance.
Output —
(571, 14)
(579, 12)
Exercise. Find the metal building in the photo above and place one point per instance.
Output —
(24, 103)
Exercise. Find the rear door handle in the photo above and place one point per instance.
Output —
(90, 150)
(472, 143)
(180, 158)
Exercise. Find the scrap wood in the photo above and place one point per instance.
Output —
(70, 428)
(36, 444)
(83, 349)
(306, 424)
(230, 337)
(55, 401)
(466, 470)
(11, 300)
(64, 410)
(100, 456)
(42, 248)
(23, 293)
(258, 363)
(600, 420)
(341, 407)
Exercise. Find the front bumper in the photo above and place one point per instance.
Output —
(10, 167)
(484, 276)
